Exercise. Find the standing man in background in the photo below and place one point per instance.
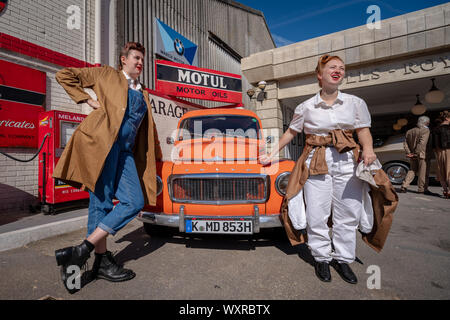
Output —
(418, 149)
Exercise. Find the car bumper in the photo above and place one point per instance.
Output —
(178, 220)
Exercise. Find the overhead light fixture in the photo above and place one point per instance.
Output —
(418, 108)
(396, 127)
(402, 122)
(434, 95)
(261, 95)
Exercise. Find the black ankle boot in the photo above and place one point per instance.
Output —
(77, 255)
(72, 256)
(105, 267)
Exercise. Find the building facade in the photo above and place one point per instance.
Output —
(49, 35)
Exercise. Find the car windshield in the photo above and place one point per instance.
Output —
(220, 125)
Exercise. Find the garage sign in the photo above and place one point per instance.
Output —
(185, 81)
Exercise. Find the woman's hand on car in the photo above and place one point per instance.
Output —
(265, 159)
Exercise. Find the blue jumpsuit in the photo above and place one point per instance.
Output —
(119, 178)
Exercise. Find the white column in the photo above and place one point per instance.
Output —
(98, 30)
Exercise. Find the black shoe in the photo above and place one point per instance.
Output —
(105, 267)
(344, 270)
(403, 190)
(428, 193)
(323, 271)
(72, 256)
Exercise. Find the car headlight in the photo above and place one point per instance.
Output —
(159, 185)
(282, 182)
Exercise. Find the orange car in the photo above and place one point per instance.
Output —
(214, 183)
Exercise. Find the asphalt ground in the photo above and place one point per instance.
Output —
(415, 263)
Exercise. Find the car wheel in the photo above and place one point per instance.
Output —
(155, 230)
(396, 171)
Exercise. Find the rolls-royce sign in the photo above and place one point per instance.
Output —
(191, 82)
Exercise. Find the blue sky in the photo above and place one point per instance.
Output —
(292, 21)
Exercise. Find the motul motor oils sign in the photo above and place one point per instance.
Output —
(185, 81)
(22, 96)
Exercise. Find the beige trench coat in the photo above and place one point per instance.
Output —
(83, 158)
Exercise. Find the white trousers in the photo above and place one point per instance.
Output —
(338, 192)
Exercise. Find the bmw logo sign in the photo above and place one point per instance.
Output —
(178, 45)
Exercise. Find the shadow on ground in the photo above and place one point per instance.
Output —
(142, 244)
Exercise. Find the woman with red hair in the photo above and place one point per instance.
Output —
(331, 157)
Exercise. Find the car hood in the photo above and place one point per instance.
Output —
(217, 150)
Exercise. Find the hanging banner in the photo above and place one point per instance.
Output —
(185, 81)
(173, 46)
(22, 97)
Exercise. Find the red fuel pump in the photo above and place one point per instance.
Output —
(53, 193)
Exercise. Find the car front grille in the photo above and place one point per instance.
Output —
(219, 188)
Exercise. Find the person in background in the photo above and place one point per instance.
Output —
(417, 145)
(441, 146)
(112, 154)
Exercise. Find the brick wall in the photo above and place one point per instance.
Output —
(44, 24)
(18, 181)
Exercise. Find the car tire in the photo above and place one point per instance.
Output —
(396, 172)
(160, 231)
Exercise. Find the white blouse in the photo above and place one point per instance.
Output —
(314, 116)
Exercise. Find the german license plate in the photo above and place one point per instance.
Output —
(219, 226)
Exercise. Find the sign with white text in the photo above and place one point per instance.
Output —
(166, 113)
(22, 97)
(185, 81)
